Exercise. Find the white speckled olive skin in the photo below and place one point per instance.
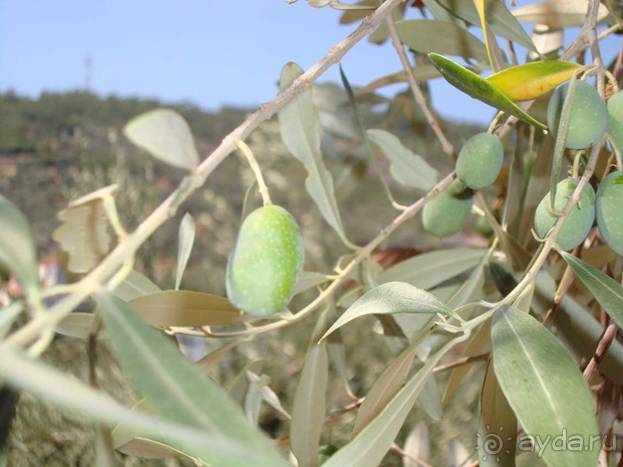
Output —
(589, 117)
(480, 160)
(615, 119)
(447, 213)
(577, 225)
(266, 262)
(609, 210)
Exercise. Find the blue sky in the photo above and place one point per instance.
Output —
(209, 52)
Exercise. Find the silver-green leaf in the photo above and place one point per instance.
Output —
(166, 136)
(17, 247)
(186, 238)
(545, 388)
(607, 291)
(389, 298)
(300, 132)
(173, 386)
(406, 167)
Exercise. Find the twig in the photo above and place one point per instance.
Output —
(257, 172)
(418, 95)
(602, 347)
(462, 361)
(168, 208)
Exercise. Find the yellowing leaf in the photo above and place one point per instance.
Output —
(531, 80)
(479, 88)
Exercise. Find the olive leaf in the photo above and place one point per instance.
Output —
(607, 291)
(422, 72)
(499, 18)
(558, 13)
(165, 135)
(300, 132)
(135, 285)
(479, 88)
(450, 39)
(406, 167)
(544, 386)
(173, 386)
(389, 298)
(309, 406)
(368, 448)
(186, 238)
(8, 315)
(71, 395)
(531, 80)
(17, 247)
(497, 422)
(417, 446)
(430, 269)
(184, 308)
(83, 233)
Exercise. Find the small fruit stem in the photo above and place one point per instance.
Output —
(246, 151)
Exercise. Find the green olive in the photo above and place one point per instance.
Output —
(615, 120)
(266, 262)
(576, 227)
(588, 119)
(480, 161)
(608, 210)
(446, 214)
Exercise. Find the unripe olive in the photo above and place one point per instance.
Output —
(266, 262)
(480, 160)
(615, 120)
(588, 119)
(608, 210)
(575, 227)
(446, 214)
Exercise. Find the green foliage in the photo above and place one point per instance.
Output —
(588, 118)
(576, 227)
(447, 213)
(544, 387)
(265, 264)
(480, 161)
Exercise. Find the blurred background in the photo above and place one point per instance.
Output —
(73, 72)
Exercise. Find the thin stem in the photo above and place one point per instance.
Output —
(191, 183)
(418, 95)
(462, 361)
(248, 154)
(602, 347)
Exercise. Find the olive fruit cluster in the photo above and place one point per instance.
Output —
(478, 165)
(590, 119)
(266, 262)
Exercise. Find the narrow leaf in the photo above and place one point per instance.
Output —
(479, 88)
(186, 238)
(389, 298)
(450, 39)
(500, 19)
(417, 446)
(557, 13)
(17, 247)
(406, 167)
(8, 315)
(431, 269)
(607, 291)
(166, 136)
(497, 432)
(369, 447)
(172, 385)
(185, 308)
(300, 132)
(308, 411)
(385, 388)
(135, 285)
(532, 80)
(71, 395)
(544, 387)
